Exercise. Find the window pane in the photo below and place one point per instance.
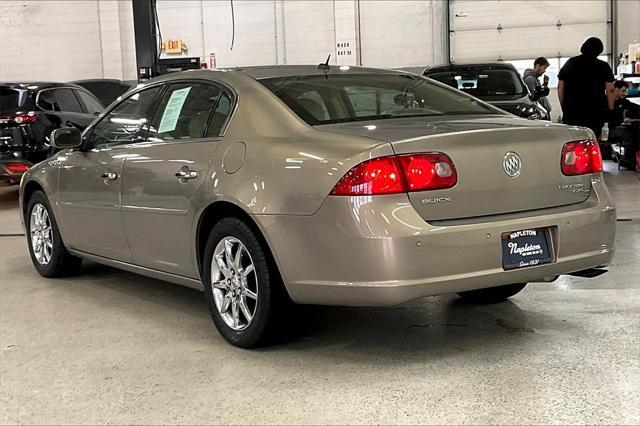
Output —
(91, 104)
(351, 97)
(67, 101)
(127, 122)
(483, 82)
(220, 116)
(11, 100)
(183, 112)
(47, 102)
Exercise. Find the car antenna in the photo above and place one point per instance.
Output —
(325, 66)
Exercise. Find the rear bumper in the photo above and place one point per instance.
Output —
(9, 177)
(379, 251)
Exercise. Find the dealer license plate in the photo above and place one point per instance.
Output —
(524, 248)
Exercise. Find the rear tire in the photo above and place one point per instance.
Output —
(48, 253)
(492, 294)
(244, 292)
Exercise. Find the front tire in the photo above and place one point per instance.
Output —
(242, 288)
(48, 253)
(492, 294)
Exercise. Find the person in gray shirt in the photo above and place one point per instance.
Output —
(531, 78)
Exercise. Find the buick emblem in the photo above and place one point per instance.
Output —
(512, 164)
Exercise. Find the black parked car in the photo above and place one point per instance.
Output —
(105, 89)
(29, 112)
(499, 83)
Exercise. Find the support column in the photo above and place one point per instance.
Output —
(145, 36)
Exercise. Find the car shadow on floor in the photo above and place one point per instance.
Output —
(415, 331)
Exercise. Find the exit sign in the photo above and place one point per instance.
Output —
(174, 46)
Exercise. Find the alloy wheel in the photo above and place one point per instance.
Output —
(41, 234)
(234, 283)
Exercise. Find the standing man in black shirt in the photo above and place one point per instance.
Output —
(585, 87)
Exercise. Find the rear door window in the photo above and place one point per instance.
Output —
(184, 112)
(47, 101)
(67, 101)
(91, 104)
(220, 116)
(60, 100)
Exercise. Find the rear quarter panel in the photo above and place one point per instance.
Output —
(287, 167)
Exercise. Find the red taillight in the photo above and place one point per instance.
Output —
(373, 177)
(17, 168)
(424, 172)
(581, 158)
(20, 118)
(393, 175)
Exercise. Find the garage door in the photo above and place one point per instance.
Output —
(511, 30)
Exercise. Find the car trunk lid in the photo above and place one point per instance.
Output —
(479, 149)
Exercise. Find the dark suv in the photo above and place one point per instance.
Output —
(29, 112)
(500, 84)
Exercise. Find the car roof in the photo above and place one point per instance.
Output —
(235, 76)
(275, 71)
(105, 80)
(453, 67)
(38, 85)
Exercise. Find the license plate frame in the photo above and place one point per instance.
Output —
(526, 248)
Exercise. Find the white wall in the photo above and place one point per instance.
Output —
(66, 40)
(392, 33)
(628, 24)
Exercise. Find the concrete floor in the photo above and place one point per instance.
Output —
(111, 347)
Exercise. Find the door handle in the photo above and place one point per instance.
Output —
(185, 173)
(109, 175)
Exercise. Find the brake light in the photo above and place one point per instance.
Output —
(373, 177)
(20, 118)
(17, 168)
(424, 172)
(397, 174)
(581, 158)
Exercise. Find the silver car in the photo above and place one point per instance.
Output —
(269, 186)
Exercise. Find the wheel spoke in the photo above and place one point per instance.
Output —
(36, 215)
(43, 214)
(225, 304)
(245, 310)
(246, 271)
(228, 246)
(220, 285)
(250, 294)
(221, 264)
(238, 258)
(235, 313)
(46, 253)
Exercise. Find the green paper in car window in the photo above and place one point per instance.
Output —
(172, 111)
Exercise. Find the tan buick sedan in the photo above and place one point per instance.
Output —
(318, 185)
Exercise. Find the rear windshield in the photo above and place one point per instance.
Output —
(339, 98)
(11, 99)
(485, 83)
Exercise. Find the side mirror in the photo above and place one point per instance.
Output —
(66, 137)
